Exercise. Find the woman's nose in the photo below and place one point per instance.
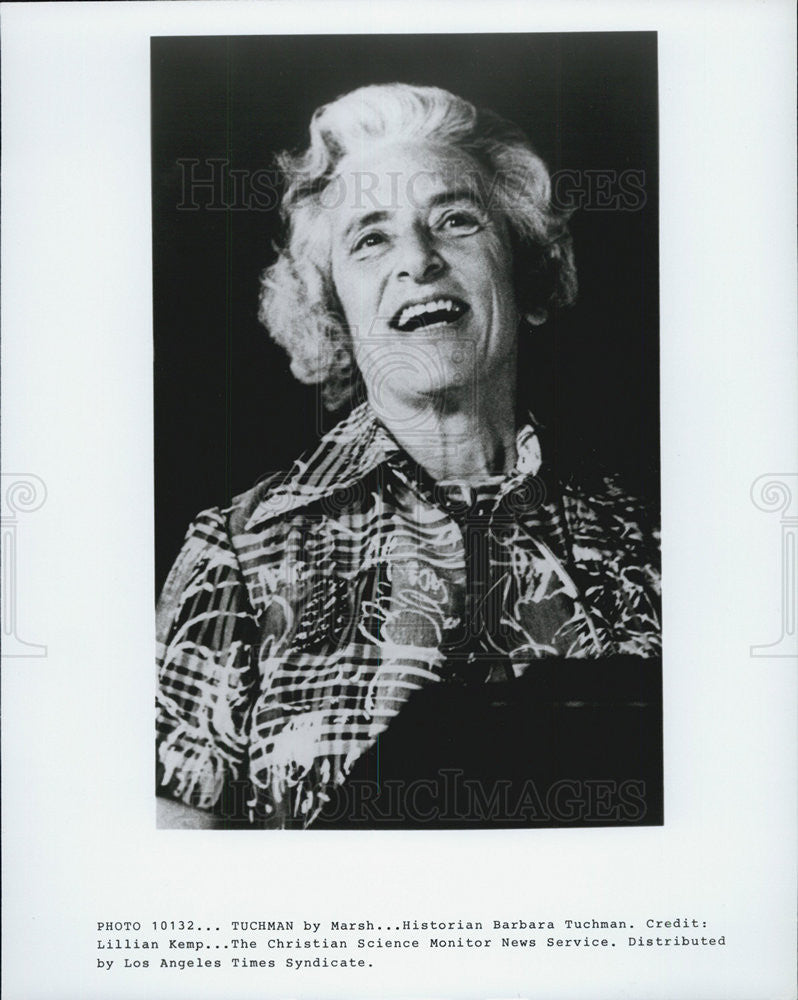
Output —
(419, 260)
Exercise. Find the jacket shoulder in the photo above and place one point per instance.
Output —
(241, 507)
(607, 506)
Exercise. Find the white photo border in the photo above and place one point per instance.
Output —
(80, 846)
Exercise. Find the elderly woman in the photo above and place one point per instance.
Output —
(427, 541)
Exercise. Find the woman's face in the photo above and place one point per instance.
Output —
(423, 270)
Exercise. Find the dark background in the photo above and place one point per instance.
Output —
(227, 408)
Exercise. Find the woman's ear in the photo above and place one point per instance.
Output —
(532, 280)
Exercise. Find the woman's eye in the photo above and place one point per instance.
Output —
(368, 240)
(460, 221)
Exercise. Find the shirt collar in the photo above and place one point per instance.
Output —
(349, 452)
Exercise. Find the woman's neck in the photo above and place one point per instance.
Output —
(466, 435)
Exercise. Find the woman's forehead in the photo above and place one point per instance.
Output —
(408, 175)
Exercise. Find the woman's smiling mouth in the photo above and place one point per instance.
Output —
(442, 311)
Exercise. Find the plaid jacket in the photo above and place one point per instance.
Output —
(296, 623)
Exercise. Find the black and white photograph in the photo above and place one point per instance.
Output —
(399, 502)
(406, 365)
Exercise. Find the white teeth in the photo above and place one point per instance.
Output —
(422, 307)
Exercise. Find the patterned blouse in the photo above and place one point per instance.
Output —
(296, 624)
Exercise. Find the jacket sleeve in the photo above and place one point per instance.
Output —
(207, 671)
(616, 552)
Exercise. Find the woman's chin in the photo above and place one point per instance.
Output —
(440, 390)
